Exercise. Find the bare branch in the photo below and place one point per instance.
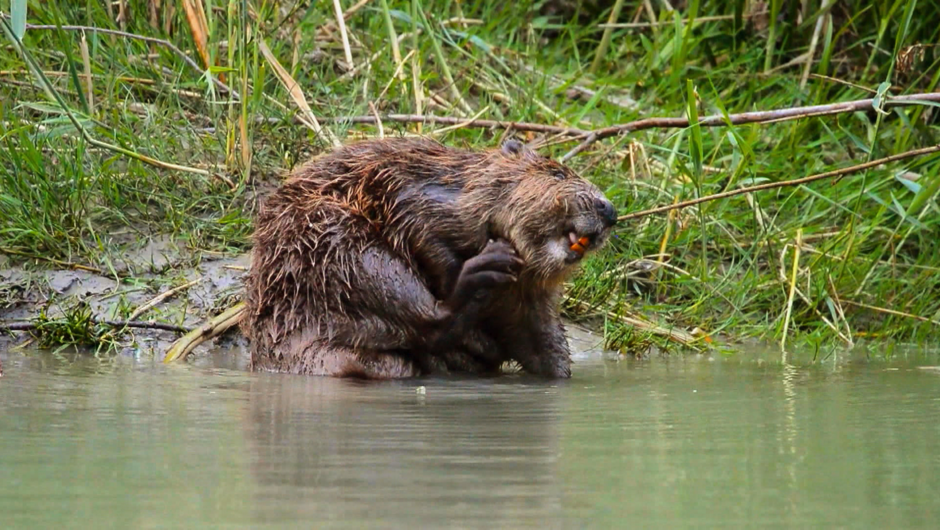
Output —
(784, 183)
(588, 137)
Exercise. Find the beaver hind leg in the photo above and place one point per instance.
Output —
(343, 361)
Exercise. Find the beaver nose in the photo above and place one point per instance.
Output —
(607, 211)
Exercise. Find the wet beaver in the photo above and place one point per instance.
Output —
(401, 257)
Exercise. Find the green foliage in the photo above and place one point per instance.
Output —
(869, 239)
(74, 328)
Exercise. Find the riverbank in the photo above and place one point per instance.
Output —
(139, 306)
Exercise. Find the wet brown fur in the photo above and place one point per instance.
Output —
(357, 253)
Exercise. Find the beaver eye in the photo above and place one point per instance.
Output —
(560, 175)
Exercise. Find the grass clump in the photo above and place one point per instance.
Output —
(868, 251)
(75, 327)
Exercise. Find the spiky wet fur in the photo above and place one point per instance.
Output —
(340, 241)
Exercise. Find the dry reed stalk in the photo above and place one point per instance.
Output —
(89, 82)
(341, 22)
(297, 95)
(793, 275)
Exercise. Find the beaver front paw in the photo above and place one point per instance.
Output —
(497, 265)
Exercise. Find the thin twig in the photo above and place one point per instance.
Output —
(352, 10)
(785, 183)
(460, 125)
(761, 116)
(590, 136)
(891, 311)
(161, 297)
(89, 82)
(140, 324)
(165, 43)
(61, 263)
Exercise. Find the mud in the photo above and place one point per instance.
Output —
(31, 288)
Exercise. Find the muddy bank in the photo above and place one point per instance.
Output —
(204, 284)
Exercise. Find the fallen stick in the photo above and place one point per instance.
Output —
(783, 183)
(31, 326)
(207, 331)
(160, 298)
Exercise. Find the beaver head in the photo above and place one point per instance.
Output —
(550, 214)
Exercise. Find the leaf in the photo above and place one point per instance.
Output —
(909, 184)
(400, 15)
(895, 207)
(926, 192)
(878, 102)
(476, 41)
(297, 94)
(900, 211)
(18, 12)
(197, 26)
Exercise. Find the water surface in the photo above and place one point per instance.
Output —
(666, 443)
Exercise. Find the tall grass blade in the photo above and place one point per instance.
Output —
(18, 18)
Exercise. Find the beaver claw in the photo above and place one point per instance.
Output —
(498, 264)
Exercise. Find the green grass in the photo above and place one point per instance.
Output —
(869, 239)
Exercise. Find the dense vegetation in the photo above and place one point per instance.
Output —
(827, 262)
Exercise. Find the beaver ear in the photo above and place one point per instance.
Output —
(512, 147)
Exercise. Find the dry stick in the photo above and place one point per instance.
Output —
(784, 183)
(761, 116)
(591, 136)
(359, 5)
(30, 326)
(161, 297)
(207, 331)
(891, 312)
(460, 125)
(165, 43)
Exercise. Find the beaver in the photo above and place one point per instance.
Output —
(401, 257)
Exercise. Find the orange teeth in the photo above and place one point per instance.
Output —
(581, 245)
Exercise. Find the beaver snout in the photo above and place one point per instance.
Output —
(606, 210)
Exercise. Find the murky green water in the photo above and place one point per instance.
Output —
(685, 442)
